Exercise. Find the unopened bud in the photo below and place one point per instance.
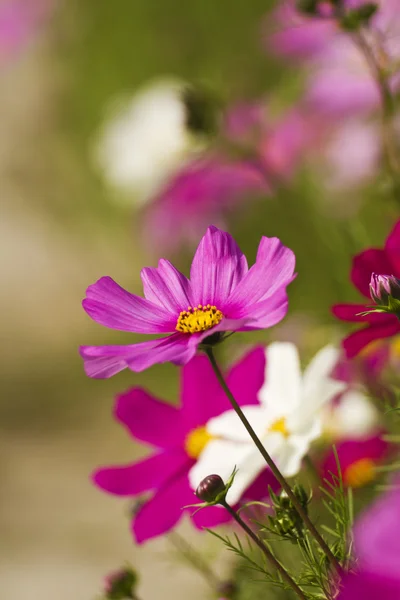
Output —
(119, 585)
(301, 495)
(210, 488)
(227, 589)
(383, 288)
(310, 7)
(202, 110)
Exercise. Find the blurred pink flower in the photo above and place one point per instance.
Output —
(377, 325)
(208, 189)
(203, 191)
(19, 21)
(377, 549)
(358, 460)
(340, 81)
(178, 437)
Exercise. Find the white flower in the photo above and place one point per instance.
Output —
(145, 140)
(287, 420)
(353, 417)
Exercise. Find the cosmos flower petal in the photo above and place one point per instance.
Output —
(273, 270)
(228, 426)
(167, 287)
(153, 519)
(367, 586)
(370, 261)
(110, 305)
(290, 455)
(358, 340)
(148, 419)
(210, 517)
(198, 381)
(141, 476)
(318, 385)
(352, 313)
(392, 248)
(217, 268)
(247, 376)
(266, 313)
(281, 392)
(102, 362)
(220, 457)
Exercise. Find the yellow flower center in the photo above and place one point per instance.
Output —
(196, 441)
(359, 473)
(199, 318)
(279, 426)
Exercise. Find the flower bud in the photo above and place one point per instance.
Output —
(210, 488)
(227, 589)
(120, 584)
(382, 287)
(301, 495)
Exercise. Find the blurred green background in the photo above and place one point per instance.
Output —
(61, 230)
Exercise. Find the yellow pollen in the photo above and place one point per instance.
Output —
(196, 441)
(199, 318)
(279, 426)
(360, 473)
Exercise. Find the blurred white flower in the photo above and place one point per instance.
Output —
(287, 420)
(352, 417)
(145, 140)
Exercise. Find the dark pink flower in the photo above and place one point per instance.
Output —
(378, 325)
(222, 295)
(358, 460)
(202, 191)
(377, 548)
(178, 436)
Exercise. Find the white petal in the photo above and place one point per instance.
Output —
(229, 426)
(291, 455)
(220, 457)
(281, 392)
(354, 417)
(319, 388)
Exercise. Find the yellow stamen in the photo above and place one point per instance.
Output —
(279, 426)
(360, 473)
(196, 441)
(199, 318)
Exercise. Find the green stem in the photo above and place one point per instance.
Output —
(388, 106)
(281, 479)
(195, 559)
(267, 552)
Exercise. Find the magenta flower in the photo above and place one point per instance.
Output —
(222, 295)
(203, 191)
(178, 436)
(378, 325)
(19, 21)
(377, 548)
(358, 460)
(340, 81)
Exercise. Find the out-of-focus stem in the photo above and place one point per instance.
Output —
(387, 103)
(195, 559)
(281, 479)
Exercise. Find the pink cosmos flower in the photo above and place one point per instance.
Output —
(340, 81)
(358, 460)
(222, 295)
(377, 548)
(202, 191)
(178, 436)
(19, 20)
(378, 325)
